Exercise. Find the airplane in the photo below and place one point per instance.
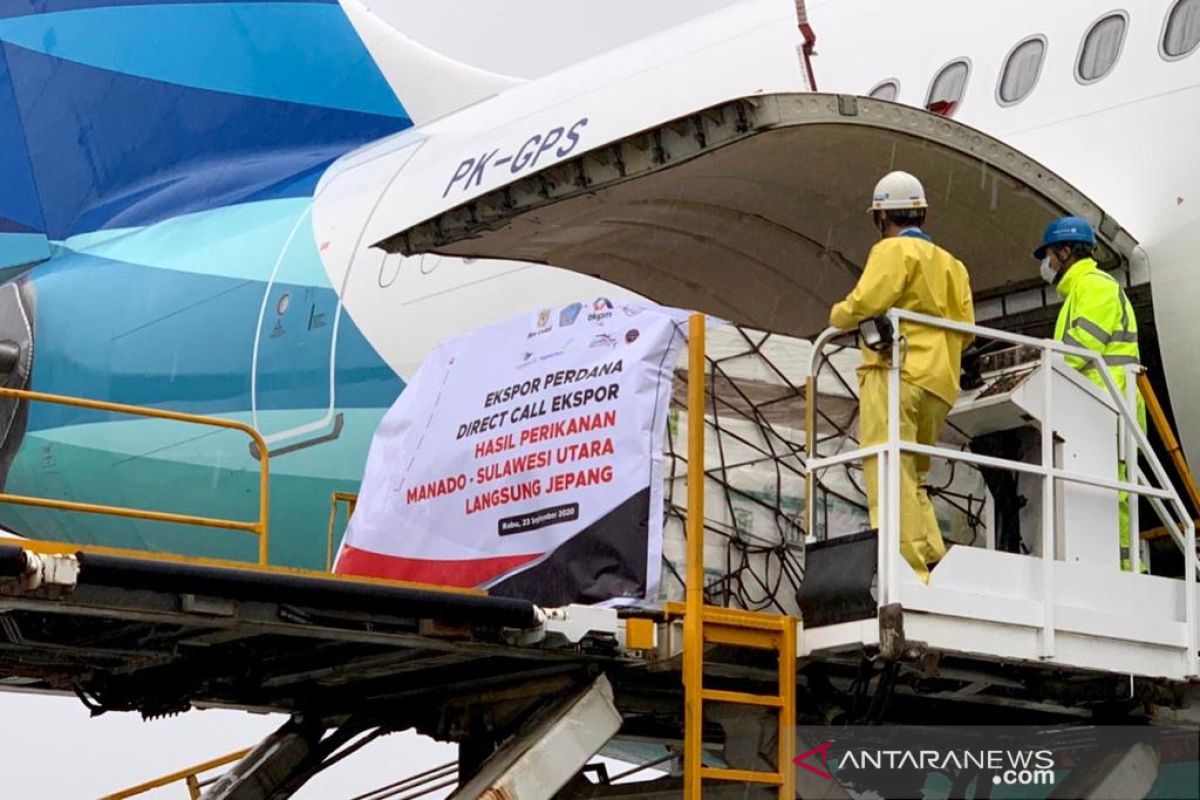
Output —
(196, 229)
(158, 250)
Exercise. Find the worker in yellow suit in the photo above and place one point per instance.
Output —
(1096, 315)
(907, 270)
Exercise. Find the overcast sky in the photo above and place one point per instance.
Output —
(49, 747)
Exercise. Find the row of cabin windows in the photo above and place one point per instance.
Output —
(1098, 54)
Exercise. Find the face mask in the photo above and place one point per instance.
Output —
(1048, 272)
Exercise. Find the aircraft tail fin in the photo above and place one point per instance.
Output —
(23, 241)
(429, 84)
(124, 113)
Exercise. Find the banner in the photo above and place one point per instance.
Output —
(526, 457)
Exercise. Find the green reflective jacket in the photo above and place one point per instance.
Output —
(1099, 317)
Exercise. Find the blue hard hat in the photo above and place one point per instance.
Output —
(1066, 230)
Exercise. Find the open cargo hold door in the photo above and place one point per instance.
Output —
(755, 209)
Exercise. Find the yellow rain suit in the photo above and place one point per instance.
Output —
(1097, 315)
(909, 271)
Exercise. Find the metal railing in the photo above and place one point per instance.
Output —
(188, 775)
(258, 527)
(336, 500)
(1163, 498)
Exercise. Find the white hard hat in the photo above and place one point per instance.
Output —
(898, 190)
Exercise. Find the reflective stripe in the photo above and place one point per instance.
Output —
(1115, 341)
(1122, 299)
(1092, 329)
(1071, 340)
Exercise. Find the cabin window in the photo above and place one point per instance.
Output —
(946, 91)
(885, 90)
(1181, 31)
(1101, 47)
(1021, 70)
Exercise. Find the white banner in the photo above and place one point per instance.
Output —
(526, 457)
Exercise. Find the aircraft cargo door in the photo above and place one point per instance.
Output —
(293, 389)
(755, 209)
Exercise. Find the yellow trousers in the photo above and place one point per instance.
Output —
(1123, 501)
(921, 416)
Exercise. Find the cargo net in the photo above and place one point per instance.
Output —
(755, 486)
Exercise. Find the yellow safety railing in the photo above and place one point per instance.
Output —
(189, 775)
(259, 527)
(1158, 417)
(336, 500)
(1166, 434)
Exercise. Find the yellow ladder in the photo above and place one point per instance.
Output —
(753, 630)
(705, 624)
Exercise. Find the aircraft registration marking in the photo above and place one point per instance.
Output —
(560, 140)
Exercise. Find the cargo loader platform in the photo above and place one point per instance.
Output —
(156, 635)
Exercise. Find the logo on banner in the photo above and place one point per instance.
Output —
(569, 314)
(601, 309)
(543, 324)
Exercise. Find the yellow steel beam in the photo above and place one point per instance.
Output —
(261, 527)
(335, 499)
(1162, 532)
(743, 698)
(733, 617)
(741, 637)
(741, 776)
(130, 513)
(1159, 418)
(693, 630)
(787, 712)
(810, 446)
(741, 618)
(349, 498)
(333, 509)
(640, 634)
(179, 775)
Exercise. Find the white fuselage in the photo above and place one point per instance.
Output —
(1126, 140)
(1123, 140)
